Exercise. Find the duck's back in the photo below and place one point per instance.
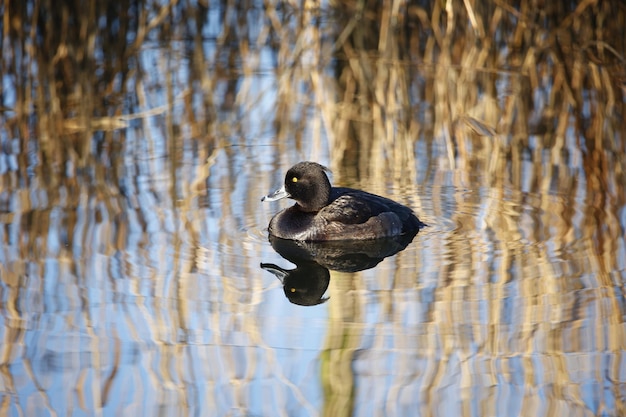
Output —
(352, 206)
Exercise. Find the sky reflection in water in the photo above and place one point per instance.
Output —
(130, 271)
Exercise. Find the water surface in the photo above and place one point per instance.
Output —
(133, 232)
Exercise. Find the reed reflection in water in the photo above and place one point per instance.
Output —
(136, 139)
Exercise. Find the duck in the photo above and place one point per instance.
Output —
(325, 213)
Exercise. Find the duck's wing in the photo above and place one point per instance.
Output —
(350, 206)
(353, 207)
(348, 209)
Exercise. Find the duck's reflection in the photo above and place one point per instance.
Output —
(306, 284)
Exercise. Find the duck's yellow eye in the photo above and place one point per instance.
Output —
(293, 290)
(294, 179)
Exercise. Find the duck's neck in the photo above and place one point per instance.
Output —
(320, 200)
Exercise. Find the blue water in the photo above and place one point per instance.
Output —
(133, 285)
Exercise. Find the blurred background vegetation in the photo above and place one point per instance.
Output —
(487, 84)
(517, 106)
(480, 88)
(73, 76)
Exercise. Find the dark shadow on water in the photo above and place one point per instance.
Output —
(306, 284)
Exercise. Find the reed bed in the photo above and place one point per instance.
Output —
(523, 101)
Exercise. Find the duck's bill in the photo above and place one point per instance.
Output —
(279, 272)
(276, 195)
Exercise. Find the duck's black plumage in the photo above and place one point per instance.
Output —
(324, 213)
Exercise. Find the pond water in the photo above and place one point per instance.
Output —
(137, 277)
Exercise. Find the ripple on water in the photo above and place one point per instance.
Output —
(255, 234)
